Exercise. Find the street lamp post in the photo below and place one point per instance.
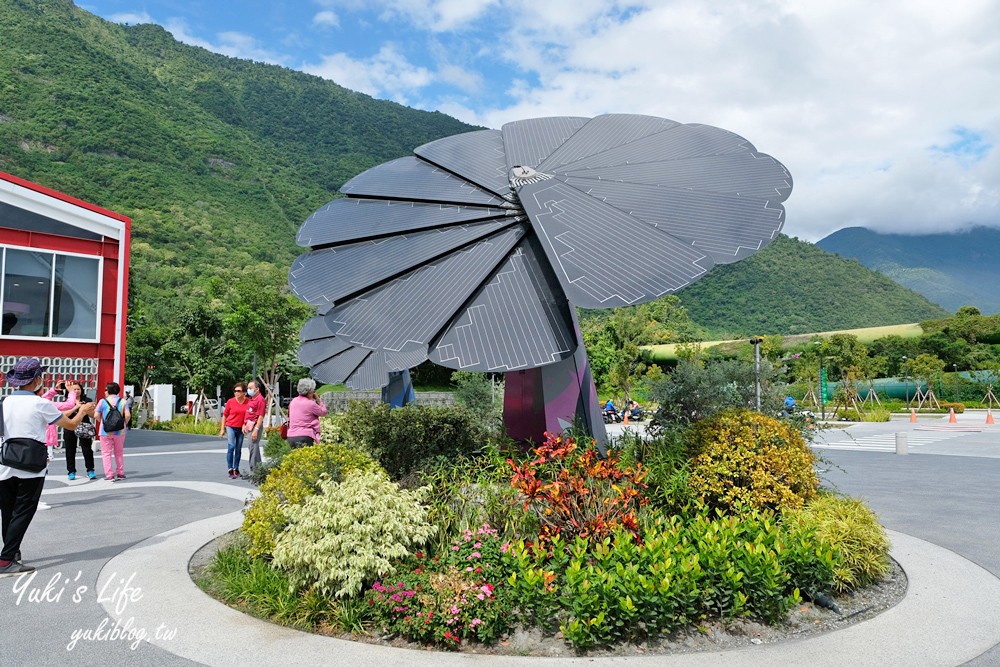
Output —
(756, 366)
(822, 398)
(954, 368)
(906, 381)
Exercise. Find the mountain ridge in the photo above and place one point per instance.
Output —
(951, 269)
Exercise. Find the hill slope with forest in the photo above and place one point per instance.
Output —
(953, 270)
(793, 287)
(217, 160)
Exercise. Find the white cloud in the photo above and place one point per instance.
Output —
(852, 97)
(386, 74)
(133, 18)
(235, 44)
(326, 18)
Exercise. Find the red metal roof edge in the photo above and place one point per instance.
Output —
(64, 197)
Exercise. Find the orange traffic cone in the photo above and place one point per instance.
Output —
(913, 416)
(989, 417)
(626, 416)
(951, 416)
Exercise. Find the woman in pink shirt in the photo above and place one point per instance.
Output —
(303, 415)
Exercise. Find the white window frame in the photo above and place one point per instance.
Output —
(52, 292)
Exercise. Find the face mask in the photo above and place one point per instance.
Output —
(251, 392)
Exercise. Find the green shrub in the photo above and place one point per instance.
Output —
(668, 463)
(350, 533)
(401, 439)
(254, 585)
(958, 407)
(184, 424)
(468, 492)
(852, 531)
(616, 589)
(745, 459)
(482, 396)
(295, 479)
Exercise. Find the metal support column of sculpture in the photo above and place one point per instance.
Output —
(475, 251)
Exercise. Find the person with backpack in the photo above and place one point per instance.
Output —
(110, 417)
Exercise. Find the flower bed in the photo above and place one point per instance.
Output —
(593, 553)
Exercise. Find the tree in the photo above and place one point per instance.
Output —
(926, 368)
(199, 349)
(696, 390)
(262, 317)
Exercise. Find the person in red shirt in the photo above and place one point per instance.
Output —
(254, 426)
(234, 416)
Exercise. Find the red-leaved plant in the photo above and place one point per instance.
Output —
(574, 491)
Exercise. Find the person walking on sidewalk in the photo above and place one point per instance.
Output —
(254, 426)
(112, 442)
(71, 439)
(234, 416)
(26, 415)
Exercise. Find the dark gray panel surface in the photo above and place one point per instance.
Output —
(588, 245)
(410, 178)
(518, 320)
(744, 174)
(604, 133)
(408, 312)
(349, 219)
(681, 141)
(726, 227)
(477, 157)
(339, 367)
(435, 255)
(323, 277)
(529, 142)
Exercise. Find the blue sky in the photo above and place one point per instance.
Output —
(887, 114)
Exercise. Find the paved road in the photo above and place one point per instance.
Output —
(949, 499)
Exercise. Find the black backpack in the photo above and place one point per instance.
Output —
(114, 420)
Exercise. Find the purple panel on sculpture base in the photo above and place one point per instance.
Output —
(550, 399)
(399, 391)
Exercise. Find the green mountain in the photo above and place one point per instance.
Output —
(793, 287)
(217, 160)
(953, 270)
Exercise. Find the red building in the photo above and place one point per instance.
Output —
(63, 283)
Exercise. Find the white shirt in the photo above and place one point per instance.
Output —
(26, 415)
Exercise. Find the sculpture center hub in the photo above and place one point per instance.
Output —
(522, 175)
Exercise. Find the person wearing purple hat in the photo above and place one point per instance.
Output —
(25, 416)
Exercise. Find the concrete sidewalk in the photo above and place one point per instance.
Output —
(118, 553)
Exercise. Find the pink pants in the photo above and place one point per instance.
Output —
(113, 444)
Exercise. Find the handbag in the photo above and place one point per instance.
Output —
(85, 430)
(25, 454)
(283, 430)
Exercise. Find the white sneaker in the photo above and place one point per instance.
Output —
(43, 506)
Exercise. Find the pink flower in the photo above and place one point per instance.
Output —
(505, 547)
(454, 548)
(477, 545)
(481, 596)
(454, 609)
(468, 569)
(476, 621)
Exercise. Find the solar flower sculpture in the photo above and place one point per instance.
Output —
(475, 251)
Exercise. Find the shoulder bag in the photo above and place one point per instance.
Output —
(22, 453)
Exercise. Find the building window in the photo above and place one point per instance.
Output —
(49, 295)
